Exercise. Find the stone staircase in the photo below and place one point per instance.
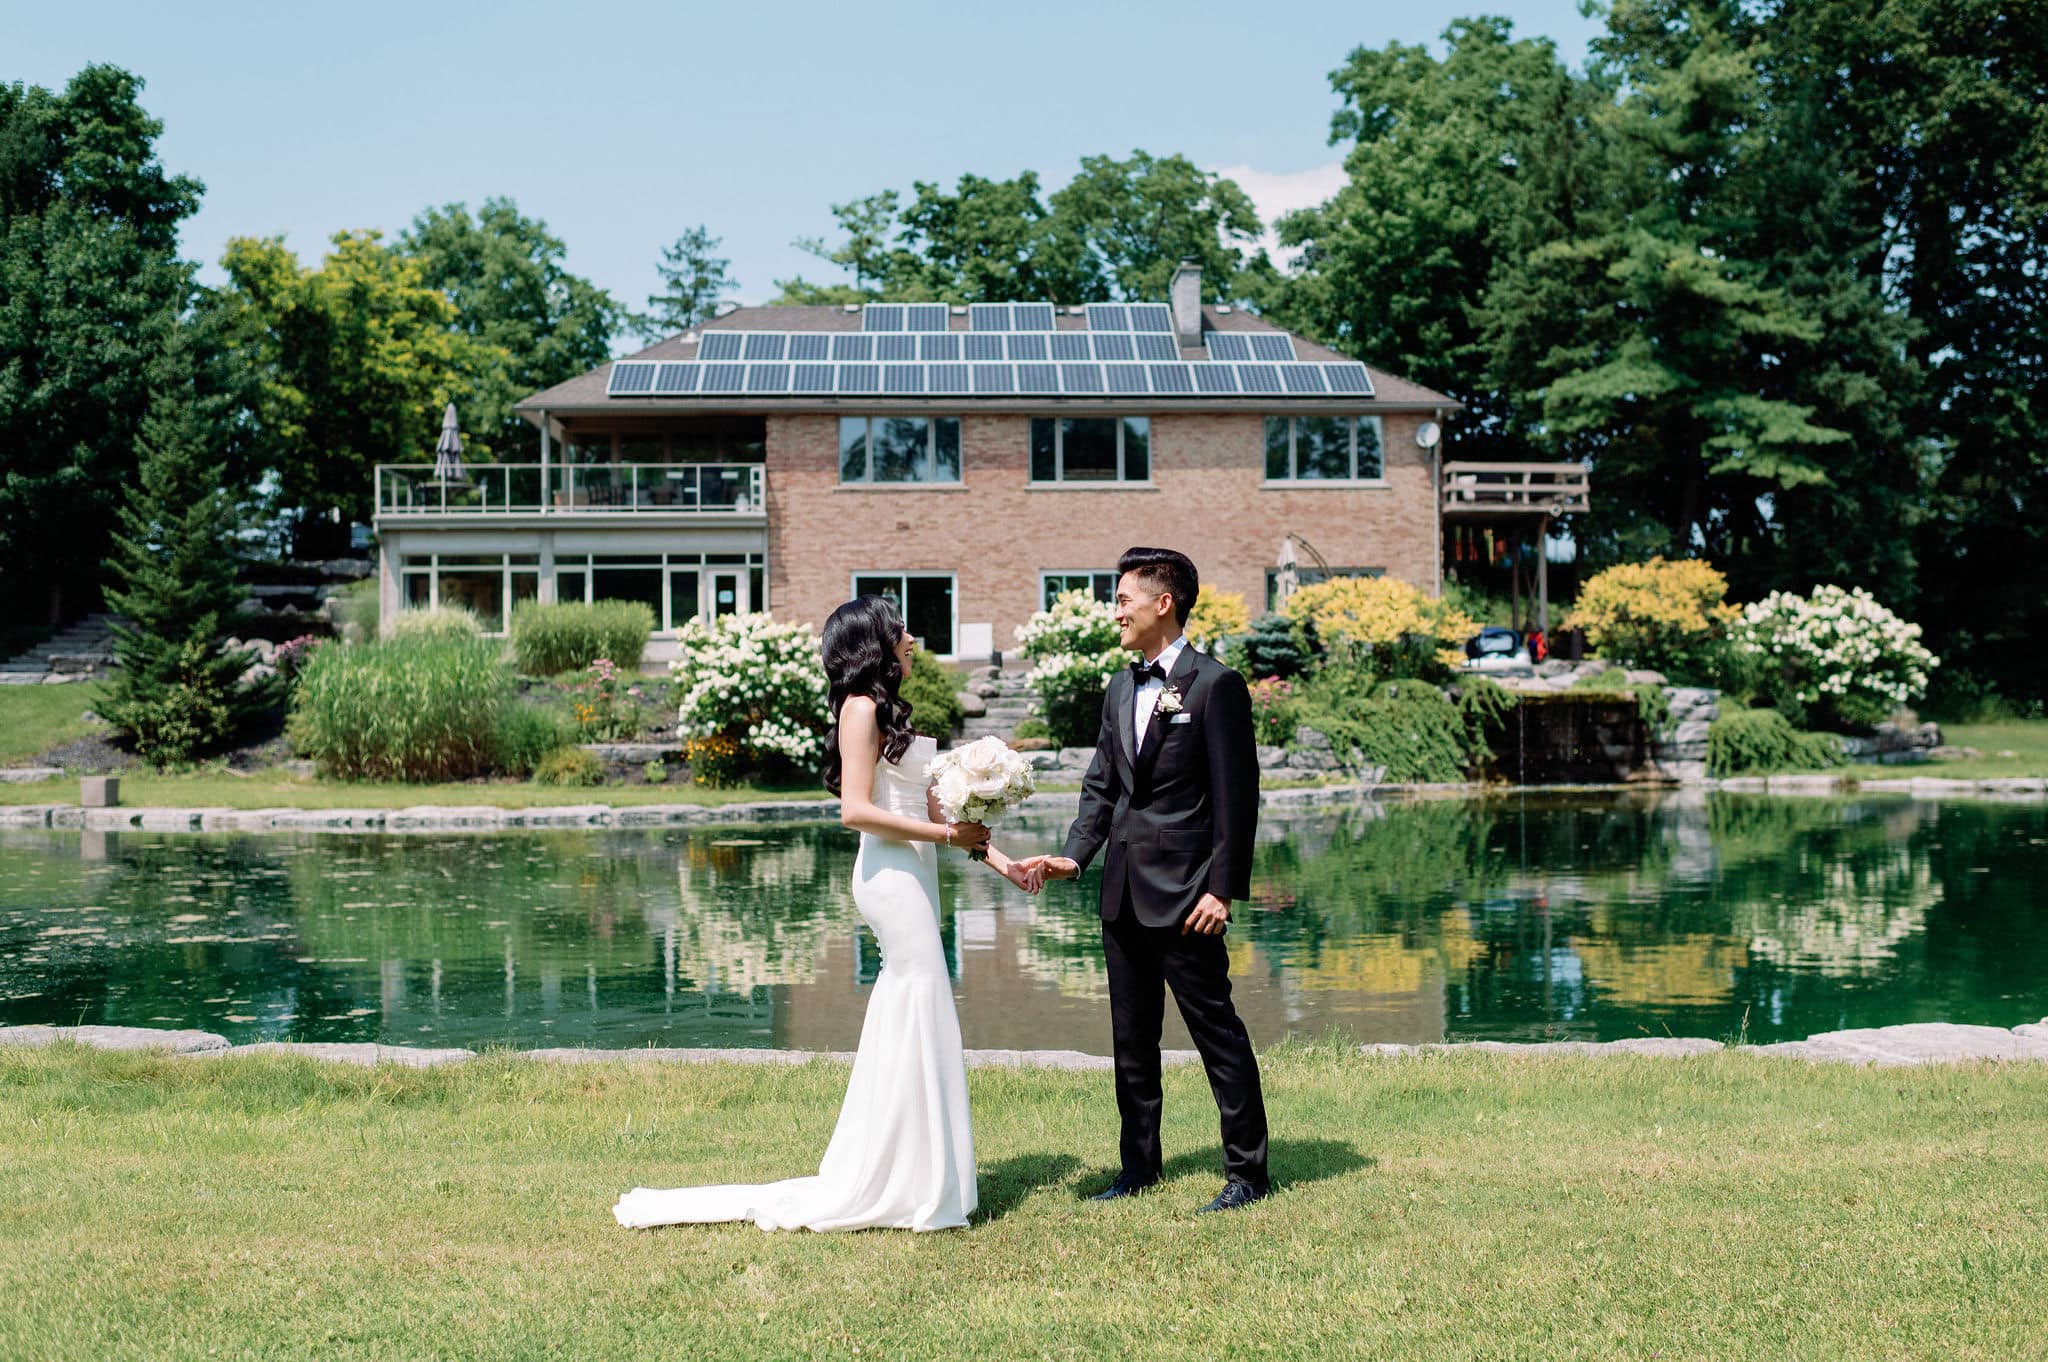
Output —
(1006, 702)
(80, 650)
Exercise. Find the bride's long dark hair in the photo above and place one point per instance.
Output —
(860, 659)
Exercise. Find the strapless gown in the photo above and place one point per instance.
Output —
(902, 1153)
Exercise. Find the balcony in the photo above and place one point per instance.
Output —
(518, 489)
(1516, 489)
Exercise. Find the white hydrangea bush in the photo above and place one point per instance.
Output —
(756, 680)
(1838, 652)
(1074, 646)
(1076, 623)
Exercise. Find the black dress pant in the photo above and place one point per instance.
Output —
(1144, 961)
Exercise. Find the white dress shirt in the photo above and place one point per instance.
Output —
(1145, 697)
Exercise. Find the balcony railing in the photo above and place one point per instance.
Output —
(570, 489)
(1484, 489)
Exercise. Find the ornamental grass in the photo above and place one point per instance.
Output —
(403, 709)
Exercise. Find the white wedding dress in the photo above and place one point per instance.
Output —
(902, 1154)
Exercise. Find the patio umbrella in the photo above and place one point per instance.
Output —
(448, 450)
(1286, 581)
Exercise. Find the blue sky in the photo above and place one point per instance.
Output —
(624, 123)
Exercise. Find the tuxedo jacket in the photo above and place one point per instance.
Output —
(1175, 813)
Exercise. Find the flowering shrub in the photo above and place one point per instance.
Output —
(604, 706)
(1670, 616)
(755, 681)
(1075, 646)
(1383, 624)
(714, 760)
(1273, 710)
(1217, 615)
(290, 657)
(1837, 655)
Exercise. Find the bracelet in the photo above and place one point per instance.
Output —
(948, 838)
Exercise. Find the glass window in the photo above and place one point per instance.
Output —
(642, 584)
(1279, 456)
(925, 600)
(481, 591)
(1088, 449)
(643, 448)
(1371, 462)
(684, 597)
(1137, 448)
(572, 586)
(419, 590)
(946, 449)
(901, 447)
(1322, 447)
(1100, 585)
(853, 449)
(1045, 465)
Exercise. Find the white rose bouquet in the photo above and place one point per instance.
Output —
(980, 782)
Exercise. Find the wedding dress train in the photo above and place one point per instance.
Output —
(902, 1153)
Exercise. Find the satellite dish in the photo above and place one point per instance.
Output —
(1428, 434)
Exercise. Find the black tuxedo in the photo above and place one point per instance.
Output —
(1176, 809)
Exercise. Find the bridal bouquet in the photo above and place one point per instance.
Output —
(980, 782)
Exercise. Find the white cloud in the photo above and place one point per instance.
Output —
(1275, 193)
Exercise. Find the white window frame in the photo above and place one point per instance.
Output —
(1294, 479)
(666, 564)
(903, 575)
(1046, 575)
(931, 447)
(409, 566)
(1059, 452)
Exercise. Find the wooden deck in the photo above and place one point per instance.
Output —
(1514, 489)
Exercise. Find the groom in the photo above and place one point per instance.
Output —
(1173, 794)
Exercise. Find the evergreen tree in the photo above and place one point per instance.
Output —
(178, 692)
(694, 283)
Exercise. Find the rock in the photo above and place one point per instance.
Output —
(1042, 760)
(985, 688)
(27, 775)
(1032, 745)
(1913, 1043)
(1077, 758)
(1946, 752)
(1691, 731)
(1312, 759)
(1271, 756)
(972, 706)
(364, 1053)
(2033, 1030)
(1927, 735)
(261, 671)
(1308, 739)
(117, 1038)
(1554, 666)
(1643, 678)
(1685, 699)
(1688, 772)
(89, 717)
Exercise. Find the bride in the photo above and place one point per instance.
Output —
(902, 1153)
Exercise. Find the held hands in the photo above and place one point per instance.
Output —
(1043, 868)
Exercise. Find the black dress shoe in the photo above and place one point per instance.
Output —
(1125, 1185)
(1234, 1195)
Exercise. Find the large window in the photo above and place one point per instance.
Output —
(486, 585)
(899, 449)
(1323, 449)
(1100, 585)
(1091, 449)
(924, 599)
(677, 587)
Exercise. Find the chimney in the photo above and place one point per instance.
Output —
(1185, 295)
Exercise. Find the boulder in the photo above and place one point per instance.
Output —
(1308, 739)
(1271, 756)
(1638, 677)
(972, 705)
(1044, 760)
(1077, 758)
(117, 1038)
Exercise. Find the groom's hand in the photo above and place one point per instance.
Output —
(1056, 867)
(1210, 917)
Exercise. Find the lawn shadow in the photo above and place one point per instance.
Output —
(1293, 1163)
(1002, 1186)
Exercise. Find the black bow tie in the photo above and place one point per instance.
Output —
(1141, 672)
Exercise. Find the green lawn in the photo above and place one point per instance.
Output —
(1449, 1206)
(2013, 747)
(35, 718)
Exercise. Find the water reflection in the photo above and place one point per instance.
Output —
(1567, 916)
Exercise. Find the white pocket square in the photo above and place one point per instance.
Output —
(1181, 719)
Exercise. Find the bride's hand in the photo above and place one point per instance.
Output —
(1028, 878)
(967, 836)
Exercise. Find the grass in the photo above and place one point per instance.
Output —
(2011, 747)
(278, 789)
(36, 718)
(1447, 1206)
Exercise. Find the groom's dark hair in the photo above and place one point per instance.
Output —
(1165, 570)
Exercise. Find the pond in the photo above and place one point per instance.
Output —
(1565, 916)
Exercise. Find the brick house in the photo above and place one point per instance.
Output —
(969, 461)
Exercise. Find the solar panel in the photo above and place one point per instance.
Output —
(767, 378)
(766, 345)
(860, 378)
(882, 317)
(1229, 345)
(1347, 378)
(630, 379)
(1272, 349)
(982, 347)
(1038, 378)
(1080, 378)
(1156, 347)
(1303, 378)
(994, 378)
(1126, 378)
(1031, 317)
(1151, 317)
(1108, 317)
(1068, 345)
(1172, 378)
(721, 345)
(895, 349)
(1258, 378)
(946, 378)
(811, 378)
(945, 347)
(676, 378)
(988, 316)
(925, 317)
(1213, 378)
(810, 348)
(1113, 347)
(724, 378)
(853, 349)
(1028, 347)
(902, 378)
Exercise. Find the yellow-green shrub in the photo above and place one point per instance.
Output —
(1670, 615)
(1217, 615)
(1383, 624)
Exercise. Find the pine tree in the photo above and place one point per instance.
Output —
(178, 692)
(694, 281)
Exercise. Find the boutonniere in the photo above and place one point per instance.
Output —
(1169, 701)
